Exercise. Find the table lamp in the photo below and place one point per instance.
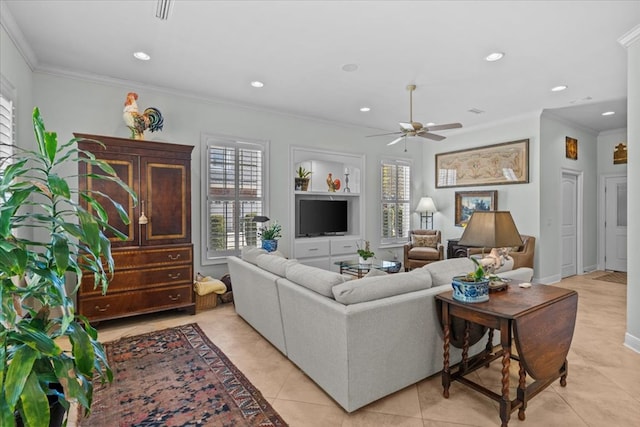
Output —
(426, 208)
(491, 229)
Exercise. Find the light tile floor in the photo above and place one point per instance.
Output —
(603, 383)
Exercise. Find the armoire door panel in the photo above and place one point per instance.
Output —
(166, 190)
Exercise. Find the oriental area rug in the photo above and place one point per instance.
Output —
(176, 377)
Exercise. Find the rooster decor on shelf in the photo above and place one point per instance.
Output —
(151, 118)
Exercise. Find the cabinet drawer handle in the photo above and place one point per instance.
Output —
(347, 246)
(173, 258)
(176, 298)
(106, 307)
(313, 249)
(173, 276)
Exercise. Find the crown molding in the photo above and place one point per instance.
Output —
(630, 37)
(553, 116)
(15, 34)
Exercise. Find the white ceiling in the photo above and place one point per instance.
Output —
(214, 49)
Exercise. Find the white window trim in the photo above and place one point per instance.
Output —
(398, 241)
(7, 90)
(207, 139)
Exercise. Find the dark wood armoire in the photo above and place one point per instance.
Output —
(154, 265)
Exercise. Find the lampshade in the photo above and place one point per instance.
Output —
(259, 218)
(426, 205)
(491, 229)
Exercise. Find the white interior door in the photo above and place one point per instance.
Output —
(569, 226)
(615, 227)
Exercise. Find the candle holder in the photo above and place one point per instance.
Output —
(346, 183)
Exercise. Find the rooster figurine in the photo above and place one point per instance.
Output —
(333, 184)
(151, 118)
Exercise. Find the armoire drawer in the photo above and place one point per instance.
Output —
(143, 278)
(131, 303)
(136, 257)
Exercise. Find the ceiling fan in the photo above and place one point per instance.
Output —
(416, 128)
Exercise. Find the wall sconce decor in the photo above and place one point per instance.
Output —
(620, 154)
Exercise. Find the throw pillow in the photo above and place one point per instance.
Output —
(424, 241)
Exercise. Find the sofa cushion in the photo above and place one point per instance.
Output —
(378, 287)
(274, 264)
(375, 272)
(424, 241)
(443, 271)
(313, 278)
(424, 253)
(250, 254)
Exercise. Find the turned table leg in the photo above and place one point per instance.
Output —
(565, 370)
(446, 374)
(522, 392)
(505, 341)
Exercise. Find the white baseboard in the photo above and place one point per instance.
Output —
(632, 342)
(549, 280)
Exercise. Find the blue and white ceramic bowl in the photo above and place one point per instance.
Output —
(470, 291)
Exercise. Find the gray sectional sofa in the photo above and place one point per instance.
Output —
(359, 340)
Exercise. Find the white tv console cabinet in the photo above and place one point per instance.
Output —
(324, 251)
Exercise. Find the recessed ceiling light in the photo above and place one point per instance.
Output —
(141, 56)
(365, 109)
(608, 113)
(559, 88)
(349, 67)
(257, 83)
(495, 56)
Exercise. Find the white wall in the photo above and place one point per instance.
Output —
(553, 133)
(521, 199)
(607, 141)
(72, 105)
(632, 337)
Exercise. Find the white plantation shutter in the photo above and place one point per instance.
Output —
(235, 194)
(7, 128)
(396, 199)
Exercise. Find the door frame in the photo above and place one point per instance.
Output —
(579, 175)
(602, 215)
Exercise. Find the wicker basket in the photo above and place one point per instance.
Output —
(206, 302)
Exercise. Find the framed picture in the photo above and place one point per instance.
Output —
(469, 201)
(506, 163)
(571, 148)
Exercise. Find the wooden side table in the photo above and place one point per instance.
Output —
(540, 320)
(456, 250)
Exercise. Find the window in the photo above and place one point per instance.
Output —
(235, 193)
(7, 123)
(396, 199)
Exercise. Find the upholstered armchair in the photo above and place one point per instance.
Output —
(522, 257)
(424, 247)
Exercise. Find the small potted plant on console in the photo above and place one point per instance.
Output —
(269, 235)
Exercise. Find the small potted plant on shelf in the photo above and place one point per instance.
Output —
(269, 235)
(365, 253)
(46, 237)
(473, 286)
(302, 179)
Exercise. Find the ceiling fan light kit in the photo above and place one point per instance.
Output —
(411, 128)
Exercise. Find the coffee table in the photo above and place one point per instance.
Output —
(540, 320)
(354, 268)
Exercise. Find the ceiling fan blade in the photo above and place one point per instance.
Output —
(432, 136)
(444, 127)
(395, 141)
(406, 126)
(385, 134)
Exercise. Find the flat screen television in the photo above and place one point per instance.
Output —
(322, 217)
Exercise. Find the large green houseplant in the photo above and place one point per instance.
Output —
(46, 235)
